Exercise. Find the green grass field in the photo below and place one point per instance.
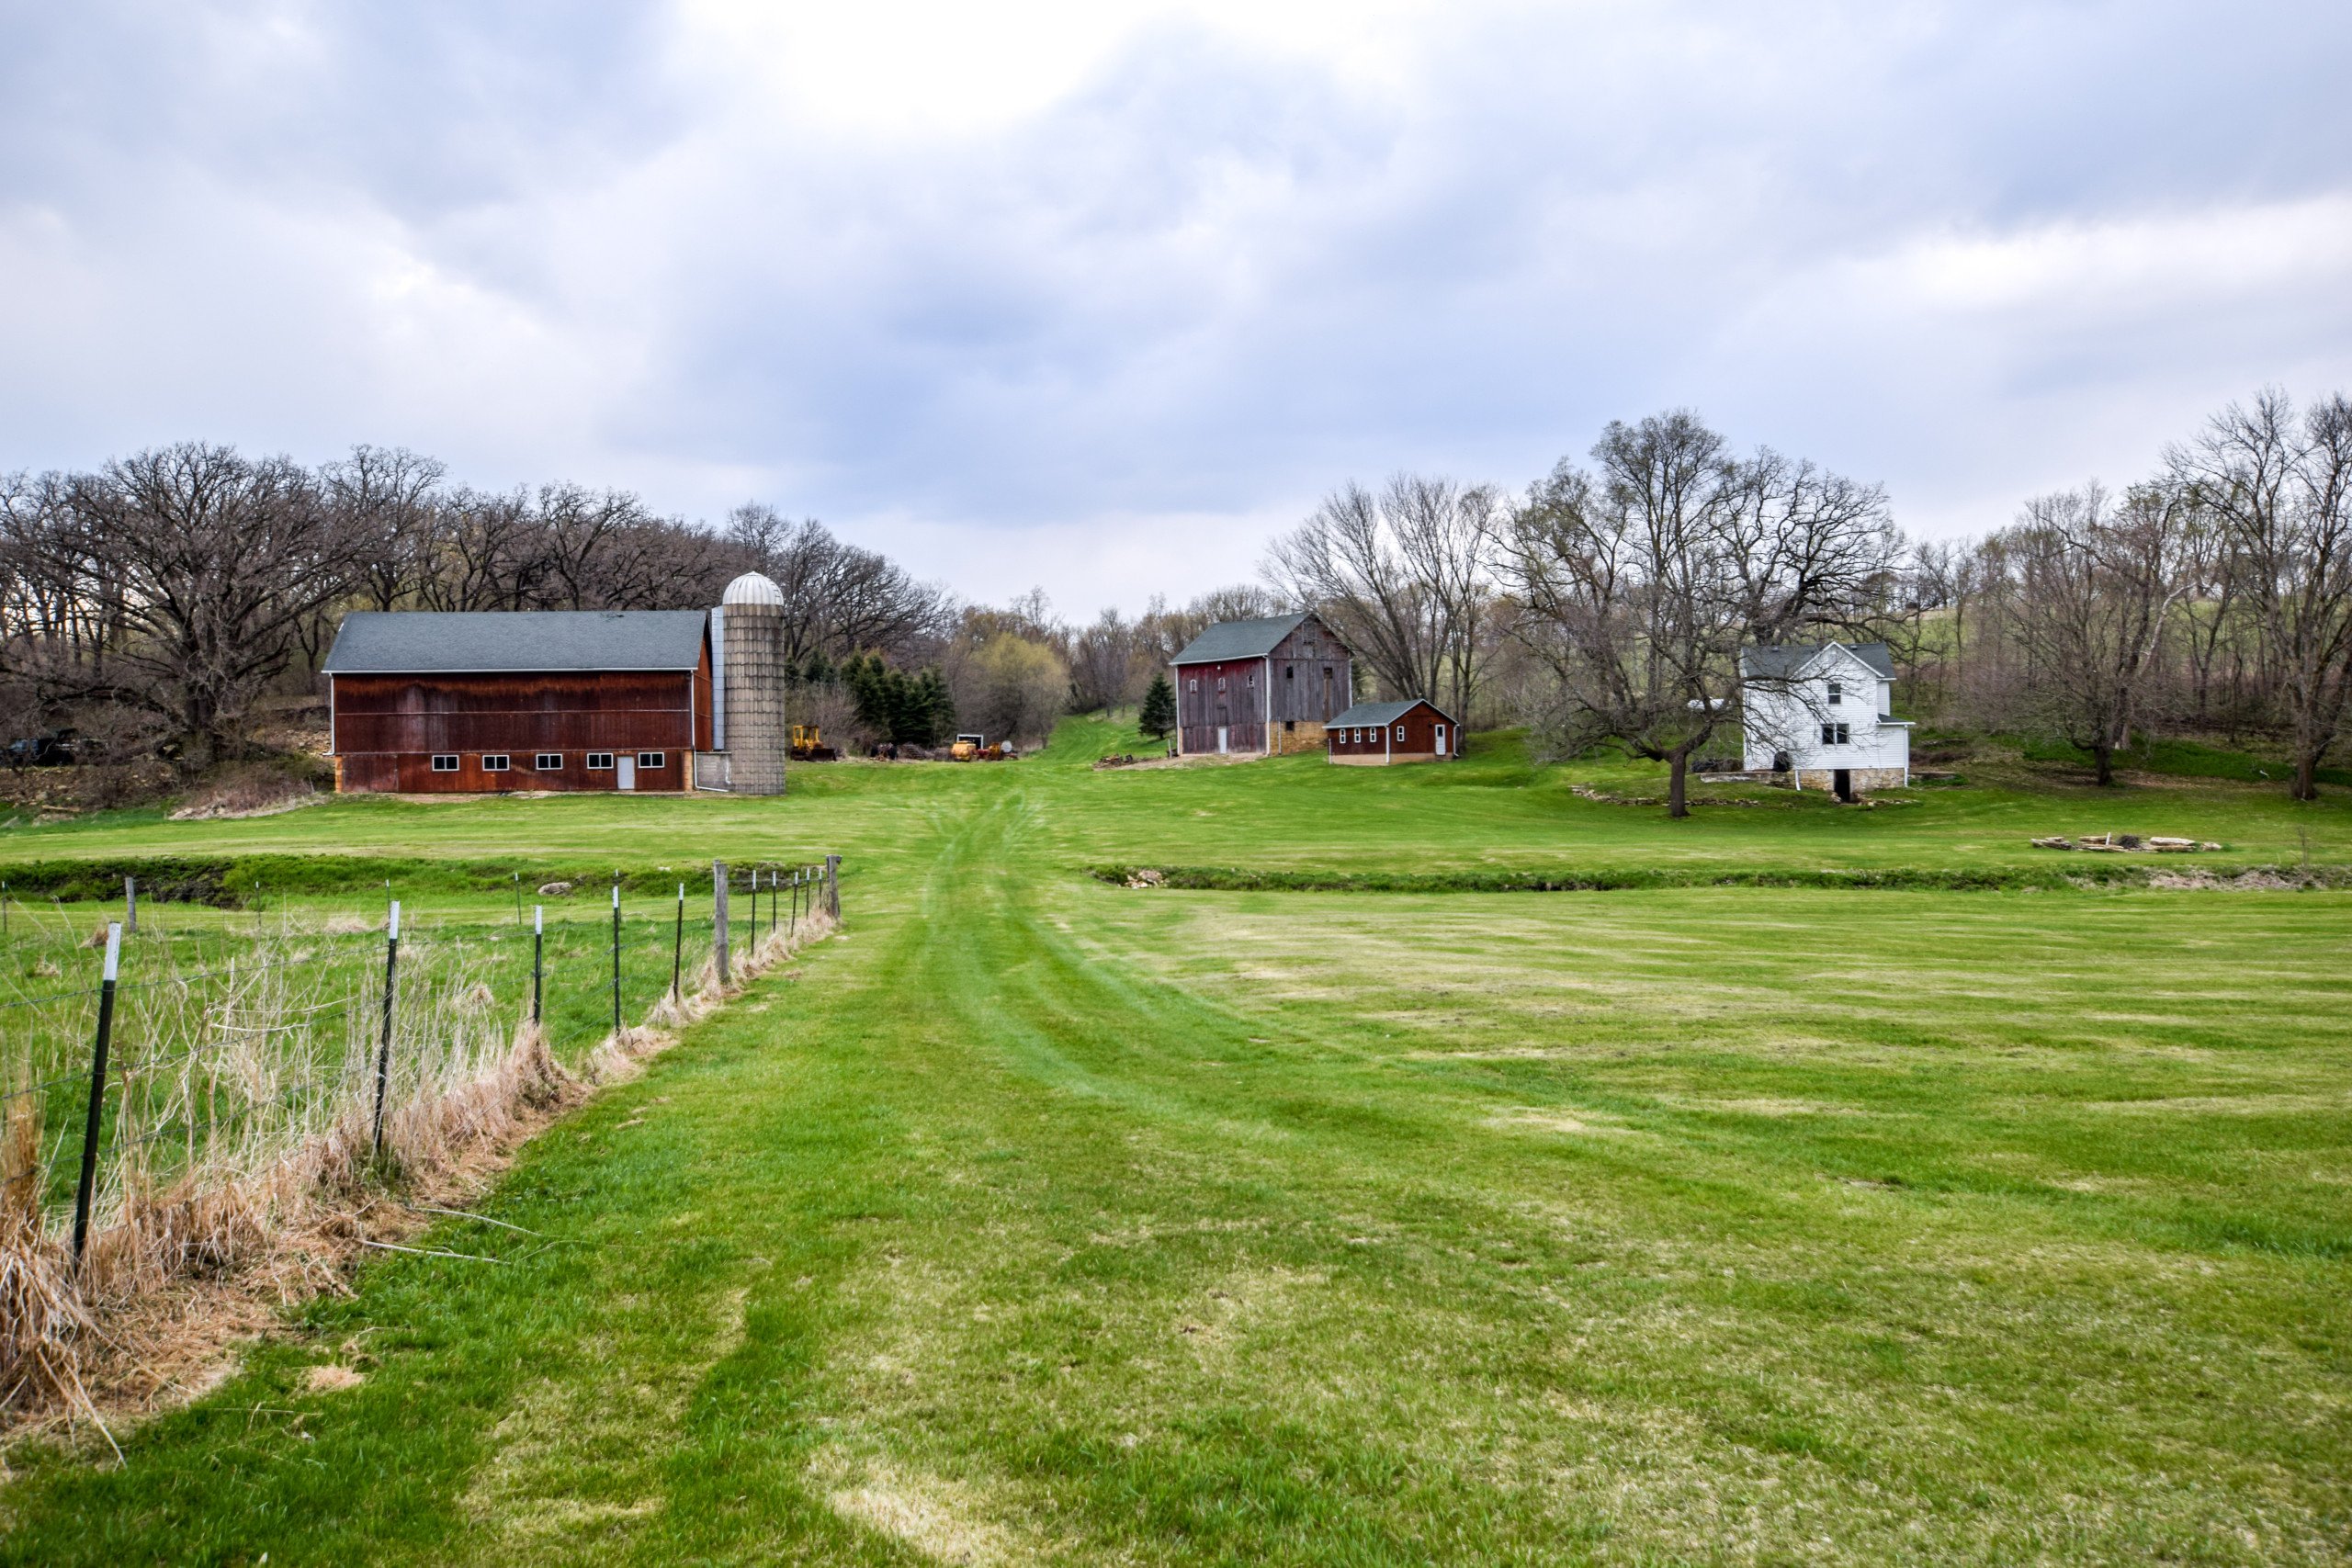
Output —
(1037, 1219)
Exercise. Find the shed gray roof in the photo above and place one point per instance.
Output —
(1789, 659)
(1239, 639)
(1372, 716)
(451, 642)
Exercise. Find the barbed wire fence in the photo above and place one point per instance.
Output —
(158, 1077)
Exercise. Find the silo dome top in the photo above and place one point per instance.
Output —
(752, 588)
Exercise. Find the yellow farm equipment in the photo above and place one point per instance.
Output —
(808, 745)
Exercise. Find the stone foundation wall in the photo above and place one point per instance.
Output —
(1863, 779)
(1297, 735)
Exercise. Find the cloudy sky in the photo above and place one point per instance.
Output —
(1099, 297)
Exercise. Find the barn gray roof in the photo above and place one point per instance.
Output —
(451, 642)
(1372, 716)
(1789, 659)
(1239, 639)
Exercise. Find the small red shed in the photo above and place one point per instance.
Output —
(1377, 734)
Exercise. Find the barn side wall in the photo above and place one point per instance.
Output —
(388, 727)
(1239, 706)
(1314, 679)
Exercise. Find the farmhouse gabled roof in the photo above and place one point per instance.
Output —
(1788, 660)
(1372, 716)
(454, 642)
(1239, 639)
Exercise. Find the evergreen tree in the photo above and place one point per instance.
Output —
(1159, 715)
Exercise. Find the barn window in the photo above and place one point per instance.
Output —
(653, 758)
(1288, 672)
(1252, 680)
(494, 762)
(548, 762)
(1833, 735)
(600, 762)
(445, 764)
(1194, 685)
(1837, 692)
(1400, 733)
(1220, 682)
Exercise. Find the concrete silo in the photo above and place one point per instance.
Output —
(749, 713)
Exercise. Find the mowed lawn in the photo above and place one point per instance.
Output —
(1041, 1219)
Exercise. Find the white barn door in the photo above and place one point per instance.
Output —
(627, 766)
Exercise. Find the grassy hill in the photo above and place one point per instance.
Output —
(1042, 1219)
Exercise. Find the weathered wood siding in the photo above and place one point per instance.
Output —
(388, 727)
(1419, 743)
(1313, 675)
(1230, 695)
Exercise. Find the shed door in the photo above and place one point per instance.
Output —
(627, 767)
(1223, 737)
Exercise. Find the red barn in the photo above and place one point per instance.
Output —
(1377, 734)
(1265, 686)
(423, 701)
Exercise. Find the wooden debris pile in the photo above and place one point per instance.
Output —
(2127, 843)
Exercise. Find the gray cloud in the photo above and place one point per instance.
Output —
(1106, 339)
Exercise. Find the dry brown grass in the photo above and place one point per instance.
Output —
(187, 1257)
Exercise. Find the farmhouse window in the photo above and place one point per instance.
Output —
(494, 762)
(653, 758)
(445, 764)
(1833, 735)
(548, 762)
(600, 762)
(1837, 692)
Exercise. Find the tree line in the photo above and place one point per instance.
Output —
(157, 601)
(1608, 603)
(160, 599)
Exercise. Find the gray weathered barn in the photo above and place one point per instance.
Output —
(1264, 686)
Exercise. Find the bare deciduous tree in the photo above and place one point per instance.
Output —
(2280, 485)
(219, 561)
(2095, 589)
(1403, 578)
(1640, 587)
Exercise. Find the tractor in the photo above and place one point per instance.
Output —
(808, 746)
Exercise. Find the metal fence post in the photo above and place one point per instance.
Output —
(833, 888)
(131, 904)
(538, 949)
(87, 1186)
(391, 985)
(718, 918)
(678, 949)
(617, 959)
(772, 873)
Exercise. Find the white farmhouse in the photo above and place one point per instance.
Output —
(1822, 715)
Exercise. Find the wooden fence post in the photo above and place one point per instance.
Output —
(131, 904)
(87, 1186)
(833, 888)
